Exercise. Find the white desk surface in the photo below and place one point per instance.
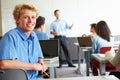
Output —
(77, 44)
(87, 78)
(52, 62)
(100, 57)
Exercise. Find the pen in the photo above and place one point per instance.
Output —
(46, 74)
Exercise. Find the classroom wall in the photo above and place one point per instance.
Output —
(79, 12)
(0, 20)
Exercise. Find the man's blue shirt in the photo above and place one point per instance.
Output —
(59, 26)
(15, 44)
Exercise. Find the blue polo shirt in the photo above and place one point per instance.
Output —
(15, 44)
(41, 35)
(59, 26)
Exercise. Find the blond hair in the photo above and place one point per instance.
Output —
(18, 8)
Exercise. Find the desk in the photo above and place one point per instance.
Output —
(86, 50)
(101, 59)
(111, 77)
(52, 63)
(79, 59)
(87, 57)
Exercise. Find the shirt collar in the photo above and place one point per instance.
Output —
(24, 35)
(57, 20)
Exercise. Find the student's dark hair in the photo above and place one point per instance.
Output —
(40, 21)
(56, 11)
(93, 25)
(103, 30)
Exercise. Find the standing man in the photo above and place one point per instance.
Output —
(19, 47)
(59, 29)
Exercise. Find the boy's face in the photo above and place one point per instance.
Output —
(27, 20)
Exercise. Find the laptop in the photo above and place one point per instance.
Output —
(85, 41)
(50, 48)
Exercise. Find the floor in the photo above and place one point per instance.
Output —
(71, 72)
(66, 72)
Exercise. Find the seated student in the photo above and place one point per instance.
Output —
(19, 47)
(102, 39)
(39, 29)
(115, 61)
(92, 30)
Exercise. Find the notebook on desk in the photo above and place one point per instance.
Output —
(85, 41)
(50, 48)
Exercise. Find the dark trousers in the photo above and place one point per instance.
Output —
(64, 44)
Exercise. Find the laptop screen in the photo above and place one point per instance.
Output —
(85, 41)
(50, 48)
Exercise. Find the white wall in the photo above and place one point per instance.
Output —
(80, 12)
(0, 20)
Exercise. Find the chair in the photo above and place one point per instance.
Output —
(13, 74)
(104, 49)
(50, 48)
(109, 66)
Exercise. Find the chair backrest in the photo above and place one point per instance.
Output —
(50, 48)
(104, 49)
(13, 74)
